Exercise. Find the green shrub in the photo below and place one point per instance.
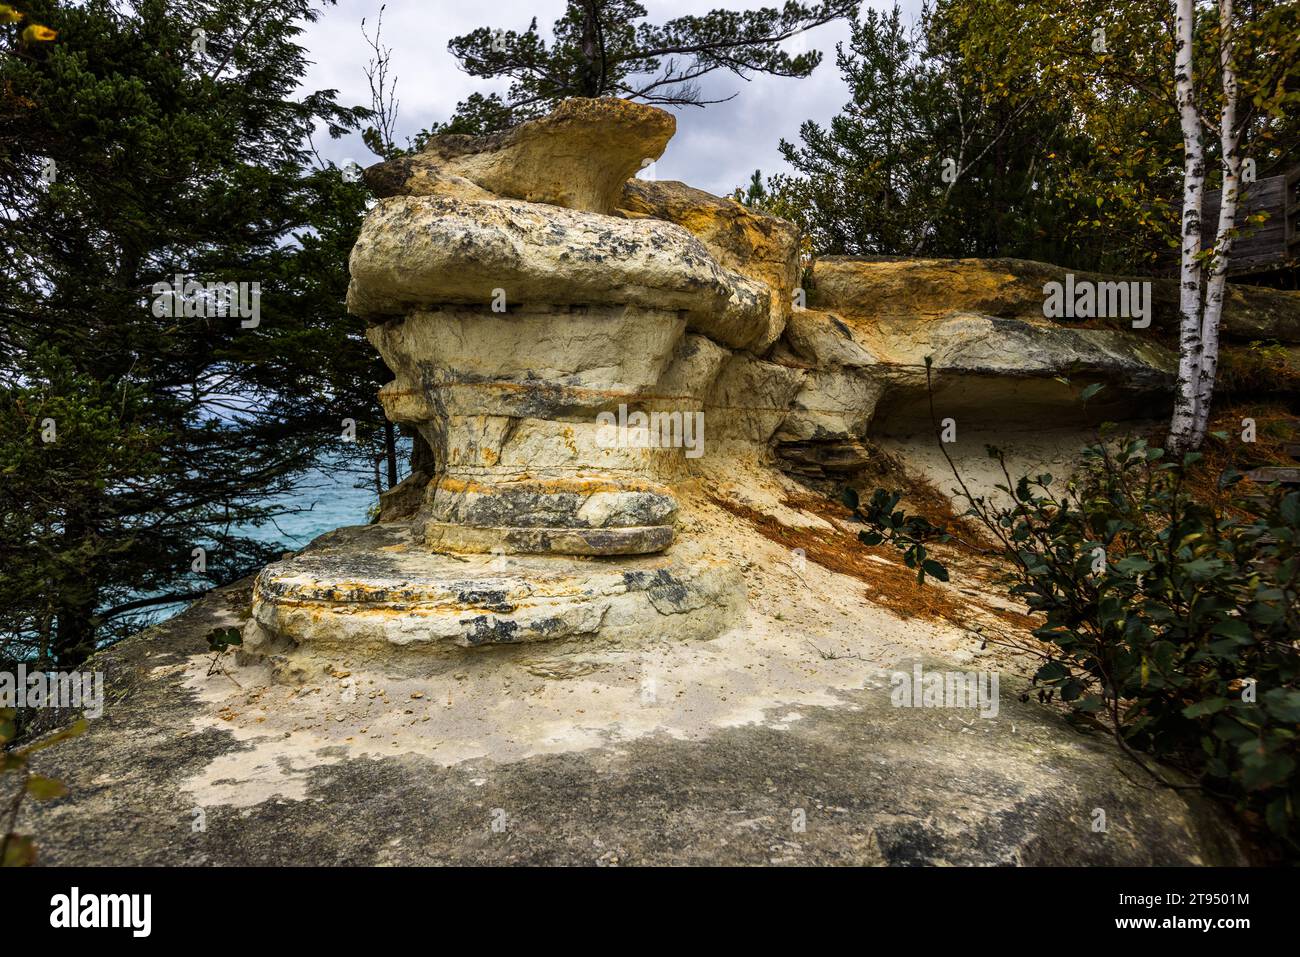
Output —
(1169, 616)
(907, 533)
(19, 850)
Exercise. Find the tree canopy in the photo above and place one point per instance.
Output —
(604, 48)
(154, 143)
(992, 128)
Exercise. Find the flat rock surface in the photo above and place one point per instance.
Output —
(384, 564)
(660, 752)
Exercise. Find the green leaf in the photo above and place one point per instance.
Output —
(1201, 568)
(1232, 628)
(1051, 671)
(1071, 689)
(1133, 565)
(1283, 704)
(220, 639)
(1263, 770)
(1203, 708)
(45, 789)
(1091, 390)
(1227, 729)
(935, 570)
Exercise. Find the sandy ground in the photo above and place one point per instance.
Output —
(808, 636)
(662, 752)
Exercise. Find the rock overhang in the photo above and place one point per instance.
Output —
(517, 303)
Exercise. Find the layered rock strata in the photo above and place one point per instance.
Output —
(559, 335)
(558, 360)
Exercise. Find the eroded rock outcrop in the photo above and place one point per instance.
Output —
(759, 247)
(882, 289)
(578, 157)
(521, 634)
(558, 361)
(416, 252)
(560, 335)
(996, 363)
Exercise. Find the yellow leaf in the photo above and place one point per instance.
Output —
(71, 731)
(8, 14)
(19, 852)
(45, 789)
(37, 33)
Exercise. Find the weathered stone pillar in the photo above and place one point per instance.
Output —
(527, 326)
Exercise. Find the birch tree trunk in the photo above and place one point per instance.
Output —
(1189, 301)
(1228, 139)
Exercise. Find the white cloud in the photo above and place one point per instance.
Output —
(716, 148)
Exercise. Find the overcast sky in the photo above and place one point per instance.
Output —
(716, 148)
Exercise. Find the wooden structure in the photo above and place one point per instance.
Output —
(1271, 246)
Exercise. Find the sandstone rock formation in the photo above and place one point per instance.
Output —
(882, 289)
(998, 364)
(560, 334)
(578, 157)
(557, 360)
(528, 620)
(762, 248)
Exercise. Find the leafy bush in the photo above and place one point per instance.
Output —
(18, 850)
(907, 533)
(1176, 619)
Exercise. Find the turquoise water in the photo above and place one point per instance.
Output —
(328, 499)
(331, 501)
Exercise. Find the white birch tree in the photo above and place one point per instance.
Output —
(1198, 337)
(1229, 137)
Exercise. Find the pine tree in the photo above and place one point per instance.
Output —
(151, 140)
(600, 49)
(867, 176)
(923, 159)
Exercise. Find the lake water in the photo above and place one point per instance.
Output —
(329, 499)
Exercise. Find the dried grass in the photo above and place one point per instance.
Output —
(892, 584)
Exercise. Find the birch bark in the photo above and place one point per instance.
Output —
(1223, 238)
(1181, 426)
